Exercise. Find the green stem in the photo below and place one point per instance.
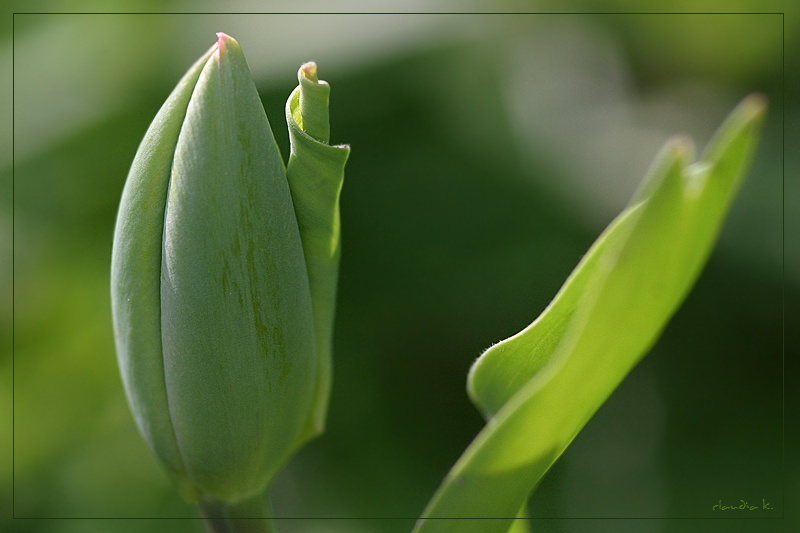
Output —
(248, 516)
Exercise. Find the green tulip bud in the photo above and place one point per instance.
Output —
(211, 293)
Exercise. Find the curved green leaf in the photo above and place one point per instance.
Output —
(315, 172)
(546, 382)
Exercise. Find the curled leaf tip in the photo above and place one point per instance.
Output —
(312, 113)
(309, 70)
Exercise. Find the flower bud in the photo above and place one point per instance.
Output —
(210, 291)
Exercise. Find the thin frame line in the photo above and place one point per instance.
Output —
(783, 282)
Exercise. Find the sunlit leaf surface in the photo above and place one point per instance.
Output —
(541, 386)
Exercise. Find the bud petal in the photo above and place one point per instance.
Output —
(211, 301)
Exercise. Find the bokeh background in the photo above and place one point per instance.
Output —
(488, 152)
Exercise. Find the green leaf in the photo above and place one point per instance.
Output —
(545, 383)
(315, 172)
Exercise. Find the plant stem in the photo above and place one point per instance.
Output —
(247, 516)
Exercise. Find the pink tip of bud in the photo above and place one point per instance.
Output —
(222, 38)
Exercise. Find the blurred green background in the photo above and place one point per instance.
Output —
(488, 152)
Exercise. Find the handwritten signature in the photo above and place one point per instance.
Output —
(743, 505)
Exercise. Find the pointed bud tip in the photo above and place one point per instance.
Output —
(223, 40)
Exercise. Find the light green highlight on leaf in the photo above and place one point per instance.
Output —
(509, 364)
(521, 524)
(541, 386)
